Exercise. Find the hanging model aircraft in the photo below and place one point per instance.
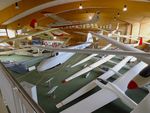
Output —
(93, 55)
(143, 77)
(140, 80)
(99, 101)
(123, 46)
(21, 67)
(61, 22)
(32, 34)
(103, 96)
(25, 51)
(138, 67)
(92, 66)
(89, 57)
(116, 33)
(34, 52)
(63, 56)
(131, 37)
(132, 72)
(92, 84)
(89, 68)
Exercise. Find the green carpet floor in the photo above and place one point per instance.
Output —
(61, 72)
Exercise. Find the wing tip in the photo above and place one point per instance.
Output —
(132, 85)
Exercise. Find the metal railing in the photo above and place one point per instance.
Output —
(14, 94)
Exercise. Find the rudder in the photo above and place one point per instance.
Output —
(89, 37)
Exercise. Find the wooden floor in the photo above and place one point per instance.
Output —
(2, 106)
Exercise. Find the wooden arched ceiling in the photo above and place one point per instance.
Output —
(137, 11)
(28, 7)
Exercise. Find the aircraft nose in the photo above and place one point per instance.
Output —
(132, 85)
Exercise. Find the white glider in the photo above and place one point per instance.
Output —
(61, 22)
(123, 46)
(92, 85)
(62, 56)
(89, 68)
(104, 96)
(116, 90)
(90, 56)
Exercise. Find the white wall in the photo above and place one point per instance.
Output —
(142, 28)
(136, 28)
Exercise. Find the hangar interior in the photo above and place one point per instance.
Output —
(74, 56)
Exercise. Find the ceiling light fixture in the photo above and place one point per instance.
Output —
(80, 6)
(54, 37)
(90, 17)
(16, 5)
(125, 8)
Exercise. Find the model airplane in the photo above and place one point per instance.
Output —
(24, 51)
(142, 79)
(34, 52)
(23, 66)
(145, 72)
(89, 57)
(140, 41)
(94, 65)
(96, 105)
(114, 88)
(63, 56)
(132, 38)
(93, 55)
(57, 33)
(89, 68)
(61, 22)
(110, 32)
(33, 34)
(123, 46)
(113, 33)
(102, 97)
(92, 84)
(121, 83)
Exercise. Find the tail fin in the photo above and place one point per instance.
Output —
(33, 23)
(140, 41)
(89, 37)
(95, 17)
